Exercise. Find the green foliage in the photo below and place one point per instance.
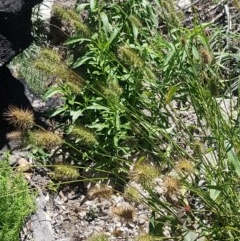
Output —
(130, 102)
(16, 202)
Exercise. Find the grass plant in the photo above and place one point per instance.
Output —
(16, 202)
(138, 85)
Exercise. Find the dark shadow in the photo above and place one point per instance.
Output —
(11, 93)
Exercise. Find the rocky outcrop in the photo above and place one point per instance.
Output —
(15, 36)
(15, 27)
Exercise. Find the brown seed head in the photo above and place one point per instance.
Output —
(20, 118)
(184, 166)
(100, 191)
(206, 56)
(171, 184)
(14, 135)
(126, 213)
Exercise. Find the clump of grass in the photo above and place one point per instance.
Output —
(113, 90)
(73, 18)
(49, 62)
(20, 118)
(16, 202)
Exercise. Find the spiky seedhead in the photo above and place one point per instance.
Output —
(206, 56)
(19, 137)
(113, 90)
(50, 62)
(170, 13)
(14, 136)
(149, 73)
(132, 194)
(65, 173)
(72, 18)
(135, 21)
(143, 237)
(144, 173)
(100, 191)
(51, 55)
(117, 233)
(197, 148)
(20, 118)
(84, 135)
(236, 3)
(130, 56)
(98, 237)
(45, 139)
(125, 212)
(171, 184)
(184, 166)
(75, 88)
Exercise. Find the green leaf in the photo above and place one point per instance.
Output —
(76, 40)
(93, 4)
(232, 157)
(107, 27)
(195, 52)
(171, 93)
(53, 91)
(81, 7)
(81, 61)
(99, 126)
(113, 35)
(96, 106)
(135, 31)
(156, 225)
(75, 114)
(214, 190)
(192, 236)
(57, 111)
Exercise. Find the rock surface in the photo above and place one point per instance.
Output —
(15, 27)
(15, 36)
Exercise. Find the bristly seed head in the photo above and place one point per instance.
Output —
(144, 173)
(45, 139)
(143, 237)
(132, 194)
(171, 184)
(184, 166)
(20, 118)
(130, 56)
(65, 173)
(126, 213)
(85, 136)
(100, 191)
(14, 135)
(206, 56)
